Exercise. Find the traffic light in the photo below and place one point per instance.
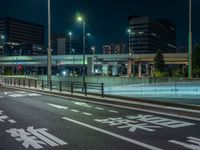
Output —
(20, 67)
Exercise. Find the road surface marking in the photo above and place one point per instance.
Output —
(35, 137)
(99, 108)
(143, 122)
(21, 94)
(57, 106)
(12, 121)
(137, 109)
(4, 118)
(74, 110)
(83, 104)
(113, 111)
(113, 134)
(5, 93)
(132, 125)
(1, 96)
(125, 107)
(88, 114)
(170, 123)
(192, 143)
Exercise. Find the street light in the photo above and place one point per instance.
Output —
(3, 42)
(88, 34)
(49, 42)
(73, 51)
(93, 48)
(129, 35)
(81, 19)
(190, 42)
(70, 42)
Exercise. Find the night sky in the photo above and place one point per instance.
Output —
(106, 20)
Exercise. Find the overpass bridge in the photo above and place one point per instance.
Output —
(103, 61)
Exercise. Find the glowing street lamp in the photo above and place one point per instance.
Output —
(129, 36)
(2, 37)
(88, 34)
(70, 42)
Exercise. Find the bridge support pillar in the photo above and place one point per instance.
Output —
(114, 70)
(147, 69)
(140, 69)
(90, 66)
(105, 69)
(130, 67)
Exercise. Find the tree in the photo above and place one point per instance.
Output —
(196, 61)
(159, 63)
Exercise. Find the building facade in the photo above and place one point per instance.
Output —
(21, 36)
(147, 35)
(114, 49)
(62, 45)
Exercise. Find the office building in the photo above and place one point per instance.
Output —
(20, 36)
(147, 35)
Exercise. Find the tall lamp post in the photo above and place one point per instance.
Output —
(190, 42)
(70, 42)
(3, 43)
(49, 42)
(73, 52)
(81, 19)
(129, 47)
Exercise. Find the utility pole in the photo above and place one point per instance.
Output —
(190, 42)
(49, 42)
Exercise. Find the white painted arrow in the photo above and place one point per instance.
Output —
(57, 106)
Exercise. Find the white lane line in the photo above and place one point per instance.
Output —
(99, 108)
(1, 96)
(57, 106)
(74, 110)
(12, 121)
(121, 106)
(113, 111)
(113, 134)
(138, 109)
(88, 114)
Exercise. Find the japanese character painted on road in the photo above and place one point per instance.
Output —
(170, 123)
(192, 143)
(4, 118)
(125, 123)
(35, 137)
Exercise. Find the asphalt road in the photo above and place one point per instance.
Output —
(34, 121)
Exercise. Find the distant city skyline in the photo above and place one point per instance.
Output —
(107, 21)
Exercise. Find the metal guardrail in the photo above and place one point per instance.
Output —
(72, 87)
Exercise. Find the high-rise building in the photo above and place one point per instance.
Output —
(147, 35)
(19, 34)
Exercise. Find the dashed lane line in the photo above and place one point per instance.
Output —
(57, 106)
(74, 110)
(113, 111)
(88, 114)
(12, 121)
(121, 106)
(99, 108)
(147, 146)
